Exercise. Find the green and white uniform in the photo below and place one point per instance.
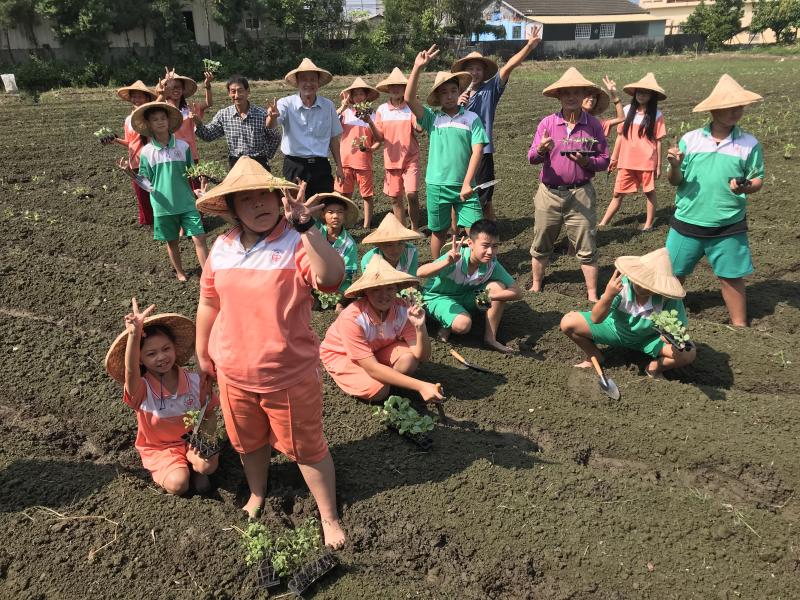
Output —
(408, 263)
(345, 245)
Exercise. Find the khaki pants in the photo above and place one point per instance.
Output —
(574, 209)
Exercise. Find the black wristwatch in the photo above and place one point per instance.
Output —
(302, 227)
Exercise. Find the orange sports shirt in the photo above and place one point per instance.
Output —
(400, 145)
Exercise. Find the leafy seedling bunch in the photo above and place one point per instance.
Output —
(670, 326)
(398, 413)
(211, 66)
(328, 299)
(104, 134)
(213, 170)
(287, 553)
(413, 296)
(362, 109)
(482, 300)
(360, 143)
(209, 434)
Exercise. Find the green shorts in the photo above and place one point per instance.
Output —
(441, 198)
(168, 227)
(729, 256)
(610, 334)
(446, 308)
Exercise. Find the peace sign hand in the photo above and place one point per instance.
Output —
(674, 154)
(297, 209)
(455, 252)
(134, 321)
(426, 56)
(272, 109)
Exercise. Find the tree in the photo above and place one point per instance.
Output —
(127, 15)
(781, 16)
(83, 24)
(20, 14)
(716, 23)
(465, 16)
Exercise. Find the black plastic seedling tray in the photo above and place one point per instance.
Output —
(311, 572)
(267, 576)
(420, 439)
(201, 445)
(584, 152)
(675, 343)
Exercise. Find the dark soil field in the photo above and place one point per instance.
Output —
(543, 488)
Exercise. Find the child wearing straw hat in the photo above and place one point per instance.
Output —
(393, 244)
(458, 276)
(137, 94)
(637, 151)
(148, 358)
(360, 138)
(254, 330)
(571, 147)
(597, 101)
(482, 97)
(338, 213)
(311, 129)
(457, 138)
(379, 340)
(640, 287)
(162, 166)
(715, 168)
(398, 127)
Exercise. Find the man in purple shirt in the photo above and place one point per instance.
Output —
(571, 147)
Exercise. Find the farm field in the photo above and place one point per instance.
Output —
(545, 488)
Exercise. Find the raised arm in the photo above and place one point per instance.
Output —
(603, 306)
(423, 58)
(134, 324)
(212, 131)
(432, 268)
(619, 115)
(534, 37)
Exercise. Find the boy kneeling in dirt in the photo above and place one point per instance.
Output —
(464, 281)
(640, 287)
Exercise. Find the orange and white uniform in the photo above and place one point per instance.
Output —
(400, 148)
(134, 141)
(358, 333)
(638, 156)
(262, 344)
(186, 133)
(357, 165)
(159, 416)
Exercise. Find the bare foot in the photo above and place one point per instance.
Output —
(594, 299)
(654, 373)
(535, 287)
(333, 533)
(253, 506)
(201, 483)
(587, 364)
(498, 346)
(181, 277)
(443, 335)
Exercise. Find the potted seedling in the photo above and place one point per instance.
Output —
(105, 135)
(413, 296)
(398, 414)
(205, 435)
(360, 143)
(482, 300)
(578, 145)
(328, 299)
(212, 170)
(362, 109)
(668, 325)
(211, 66)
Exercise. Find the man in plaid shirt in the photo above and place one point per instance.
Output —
(243, 125)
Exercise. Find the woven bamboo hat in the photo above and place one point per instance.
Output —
(391, 230)
(189, 85)
(396, 77)
(602, 102)
(489, 66)
(246, 175)
(462, 78)
(372, 93)
(351, 209)
(377, 274)
(648, 82)
(653, 271)
(727, 94)
(137, 86)
(140, 124)
(182, 329)
(571, 78)
(308, 66)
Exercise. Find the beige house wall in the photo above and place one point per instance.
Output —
(676, 13)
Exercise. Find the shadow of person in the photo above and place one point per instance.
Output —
(711, 372)
(762, 298)
(52, 483)
(662, 214)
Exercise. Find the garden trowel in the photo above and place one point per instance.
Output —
(486, 185)
(607, 384)
(465, 364)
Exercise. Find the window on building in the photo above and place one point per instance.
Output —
(516, 32)
(252, 23)
(583, 32)
(607, 30)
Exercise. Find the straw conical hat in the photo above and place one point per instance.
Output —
(137, 86)
(372, 93)
(603, 100)
(462, 78)
(489, 66)
(396, 77)
(351, 208)
(391, 230)
(140, 124)
(653, 271)
(377, 274)
(247, 174)
(308, 66)
(648, 82)
(189, 85)
(727, 94)
(570, 79)
(182, 329)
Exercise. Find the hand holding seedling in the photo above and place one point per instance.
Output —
(739, 185)
(614, 286)
(578, 157)
(134, 321)
(208, 77)
(546, 144)
(674, 154)
(426, 56)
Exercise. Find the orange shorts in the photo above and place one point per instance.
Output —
(289, 420)
(397, 181)
(364, 178)
(630, 180)
(353, 379)
(164, 461)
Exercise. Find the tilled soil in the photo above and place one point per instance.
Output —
(538, 487)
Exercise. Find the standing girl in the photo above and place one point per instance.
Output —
(254, 330)
(148, 358)
(597, 101)
(637, 152)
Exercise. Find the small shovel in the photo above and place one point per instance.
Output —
(468, 365)
(486, 185)
(607, 384)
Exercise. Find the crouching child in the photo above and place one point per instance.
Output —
(640, 287)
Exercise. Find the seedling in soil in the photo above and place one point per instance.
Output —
(413, 296)
(482, 300)
(105, 134)
(667, 324)
(360, 143)
(328, 300)
(398, 414)
(580, 145)
(788, 149)
(211, 66)
(362, 109)
(214, 171)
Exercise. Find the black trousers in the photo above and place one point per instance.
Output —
(485, 173)
(316, 172)
(262, 160)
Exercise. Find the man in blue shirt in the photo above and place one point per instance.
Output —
(311, 128)
(482, 97)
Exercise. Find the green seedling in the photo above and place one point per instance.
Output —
(288, 551)
(667, 321)
(482, 300)
(211, 169)
(211, 66)
(104, 134)
(328, 299)
(362, 109)
(788, 150)
(360, 143)
(397, 412)
(413, 296)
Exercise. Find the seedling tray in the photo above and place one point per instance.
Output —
(311, 572)
(675, 343)
(205, 448)
(420, 439)
(267, 576)
(584, 152)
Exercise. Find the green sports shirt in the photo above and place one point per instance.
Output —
(450, 145)
(346, 247)
(162, 172)
(455, 280)
(408, 263)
